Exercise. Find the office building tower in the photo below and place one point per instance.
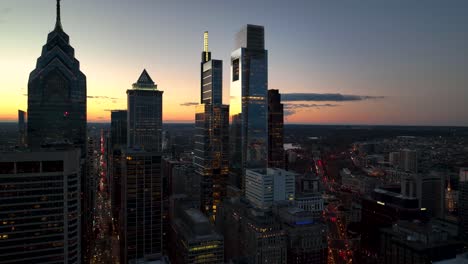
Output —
(394, 158)
(144, 105)
(251, 235)
(383, 208)
(235, 151)
(275, 130)
(57, 94)
(22, 127)
(141, 220)
(463, 203)
(40, 207)
(118, 144)
(211, 91)
(57, 107)
(119, 129)
(408, 160)
(412, 242)
(428, 188)
(249, 92)
(196, 241)
(306, 235)
(211, 134)
(262, 189)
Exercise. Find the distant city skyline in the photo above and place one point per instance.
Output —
(366, 62)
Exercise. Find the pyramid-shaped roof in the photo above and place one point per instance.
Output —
(145, 81)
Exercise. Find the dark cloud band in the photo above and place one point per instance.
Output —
(329, 97)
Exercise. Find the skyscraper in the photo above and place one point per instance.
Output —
(211, 134)
(22, 117)
(275, 130)
(118, 143)
(141, 223)
(40, 207)
(57, 94)
(119, 129)
(249, 91)
(57, 107)
(144, 103)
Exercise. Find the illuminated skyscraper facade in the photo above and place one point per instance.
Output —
(249, 91)
(144, 104)
(211, 134)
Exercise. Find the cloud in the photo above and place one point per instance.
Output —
(101, 97)
(291, 109)
(329, 97)
(189, 104)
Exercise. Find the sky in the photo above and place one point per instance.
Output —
(335, 62)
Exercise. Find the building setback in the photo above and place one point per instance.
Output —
(249, 92)
(211, 151)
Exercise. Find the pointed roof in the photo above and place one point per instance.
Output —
(145, 81)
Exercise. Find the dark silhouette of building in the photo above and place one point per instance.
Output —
(463, 203)
(195, 239)
(211, 153)
(118, 144)
(275, 130)
(415, 242)
(57, 109)
(57, 94)
(249, 92)
(251, 235)
(144, 104)
(382, 209)
(141, 221)
(39, 209)
(22, 128)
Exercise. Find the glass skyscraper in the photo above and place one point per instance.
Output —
(211, 134)
(144, 104)
(275, 130)
(249, 92)
(57, 94)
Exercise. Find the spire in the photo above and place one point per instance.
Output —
(205, 45)
(58, 22)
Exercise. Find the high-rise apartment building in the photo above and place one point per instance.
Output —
(211, 154)
(249, 92)
(40, 207)
(141, 221)
(276, 157)
(144, 105)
